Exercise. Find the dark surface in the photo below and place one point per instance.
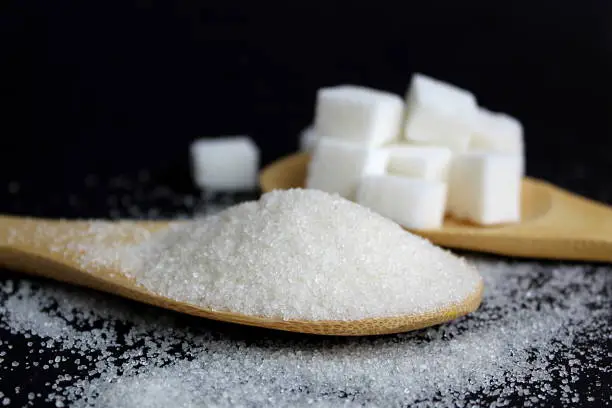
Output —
(112, 89)
(117, 86)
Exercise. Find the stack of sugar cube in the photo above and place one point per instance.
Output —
(413, 160)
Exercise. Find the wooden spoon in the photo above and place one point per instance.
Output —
(54, 249)
(556, 224)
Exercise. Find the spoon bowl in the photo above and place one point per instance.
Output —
(55, 249)
(555, 224)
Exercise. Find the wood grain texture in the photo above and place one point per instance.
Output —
(34, 255)
(556, 224)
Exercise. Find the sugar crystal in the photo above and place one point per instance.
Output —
(303, 254)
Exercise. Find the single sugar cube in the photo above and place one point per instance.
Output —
(485, 188)
(439, 113)
(377, 161)
(357, 114)
(425, 162)
(225, 163)
(308, 139)
(412, 203)
(337, 167)
(497, 132)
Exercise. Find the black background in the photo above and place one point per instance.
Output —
(110, 87)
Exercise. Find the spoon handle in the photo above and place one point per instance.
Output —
(34, 244)
(37, 246)
(569, 227)
(27, 234)
(40, 235)
(583, 225)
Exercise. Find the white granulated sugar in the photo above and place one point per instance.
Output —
(540, 334)
(304, 254)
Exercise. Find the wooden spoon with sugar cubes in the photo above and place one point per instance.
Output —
(555, 224)
(436, 153)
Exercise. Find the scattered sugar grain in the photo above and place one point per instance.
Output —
(517, 347)
(139, 196)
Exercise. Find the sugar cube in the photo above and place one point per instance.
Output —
(225, 163)
(357, 114)
(412, 203)
(337, 166)
(497, 132)
(308, 139)
(439, 113)
(426, 162)
(485, 188)
(377, 161)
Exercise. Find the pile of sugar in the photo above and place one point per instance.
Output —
(302, 254)
(539, 339)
